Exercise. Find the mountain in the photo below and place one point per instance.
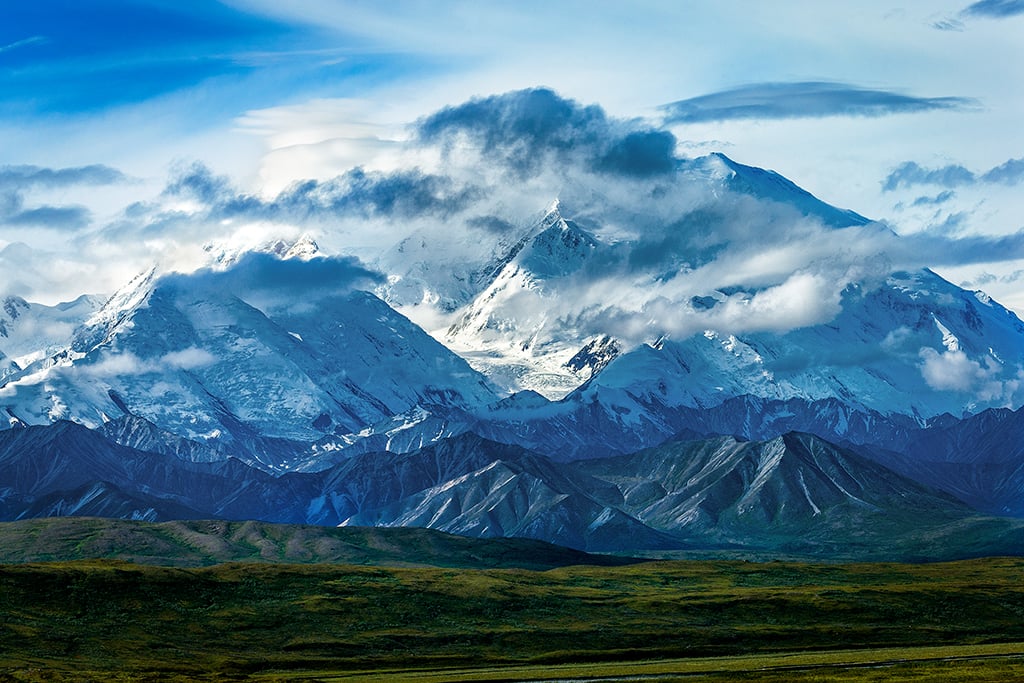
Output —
(758, 182)
(66, 469)
(796, 494)
(473, 487)
(979, 459)
(900, 347)
(501, 332)
(891, 349)
(202, 543)
(31, 331)
(893, 360)
(593, 376)
(190, 354)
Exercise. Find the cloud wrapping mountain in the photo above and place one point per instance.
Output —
(529, 130)
(667, 228)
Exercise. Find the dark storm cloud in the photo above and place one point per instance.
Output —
(909, 174)
(935, 248)
(528, 130)
(198, 182)
(996, 9)
(259, 274)
(803, 100)
(640, 154)
(406, 193)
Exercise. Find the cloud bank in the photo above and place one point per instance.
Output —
(17, 181)
(811, 99)
(465, 188)
(910, 174)
(531, 129)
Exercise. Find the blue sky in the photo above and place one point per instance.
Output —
(905, 112)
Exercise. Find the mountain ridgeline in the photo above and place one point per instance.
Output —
(288, 386)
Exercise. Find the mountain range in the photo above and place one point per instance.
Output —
(574, 388)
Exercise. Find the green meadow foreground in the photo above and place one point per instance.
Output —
(702, 620)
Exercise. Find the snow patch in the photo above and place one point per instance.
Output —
(807, 493)
(949, 340)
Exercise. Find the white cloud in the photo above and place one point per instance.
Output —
(115, 365)
(955, 371)
(188, 359)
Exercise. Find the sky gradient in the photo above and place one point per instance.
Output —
(138, 130)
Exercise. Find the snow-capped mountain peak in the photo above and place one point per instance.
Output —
(190, 354)
(31, 332)
(224, 255)
(772, 186)
(506, 332)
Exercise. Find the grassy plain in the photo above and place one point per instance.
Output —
(717, 620)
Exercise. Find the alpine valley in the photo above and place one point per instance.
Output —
(637, 367)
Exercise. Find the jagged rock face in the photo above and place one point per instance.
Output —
(67, 469)
(792, 485)
(469, 486)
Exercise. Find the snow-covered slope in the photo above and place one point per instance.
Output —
(503, 331)
(439, 271)
(915, 345)
(192, 356)
(298, 365)
(758, 182)
(524, 313)
(31, 331)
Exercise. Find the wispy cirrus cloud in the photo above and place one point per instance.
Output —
(24, 42)
(983, 9)
(910, 173)
(809, 99)
(996, 9)
(88, 57)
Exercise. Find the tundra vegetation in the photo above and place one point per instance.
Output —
(705, 620)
